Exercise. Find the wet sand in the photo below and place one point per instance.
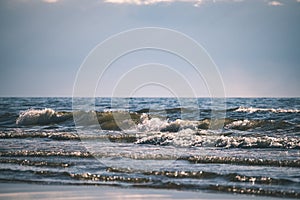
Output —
(34, 191)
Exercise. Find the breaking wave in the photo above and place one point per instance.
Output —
(146, 129)
(154, 143)
(273, 110)
(164, 125)
(124, 120)
(41, 117)
(190, 138)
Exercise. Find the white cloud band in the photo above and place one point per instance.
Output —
(152, 2)
(275, 3)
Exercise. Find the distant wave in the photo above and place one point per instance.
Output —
(247, 124)
(273, 110)
(167, 110)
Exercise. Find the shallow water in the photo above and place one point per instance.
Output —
(154, 143)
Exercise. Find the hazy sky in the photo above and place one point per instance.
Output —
(254, 43)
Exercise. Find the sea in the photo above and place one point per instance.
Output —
(249, 146)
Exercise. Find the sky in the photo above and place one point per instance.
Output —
(255, 44)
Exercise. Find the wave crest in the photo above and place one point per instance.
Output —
(273, 110)
(40, 117)
(191, 138)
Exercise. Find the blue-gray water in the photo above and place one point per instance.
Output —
(167, 143)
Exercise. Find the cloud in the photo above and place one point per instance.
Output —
(152, 2)
(147, 2)
(50, 1)
(276, 3)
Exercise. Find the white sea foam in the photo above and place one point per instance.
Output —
(153, 124)
(188, 138)
(242, 124)
(279, 110)
(35, 116)
(158, 124)
(184, 133)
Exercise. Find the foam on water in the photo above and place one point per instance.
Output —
(40, 117)
(191, 138)
(273, 110)
(157, 124)
(147, 129)
(143, 122)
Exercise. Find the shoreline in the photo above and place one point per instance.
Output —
(36, 191)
